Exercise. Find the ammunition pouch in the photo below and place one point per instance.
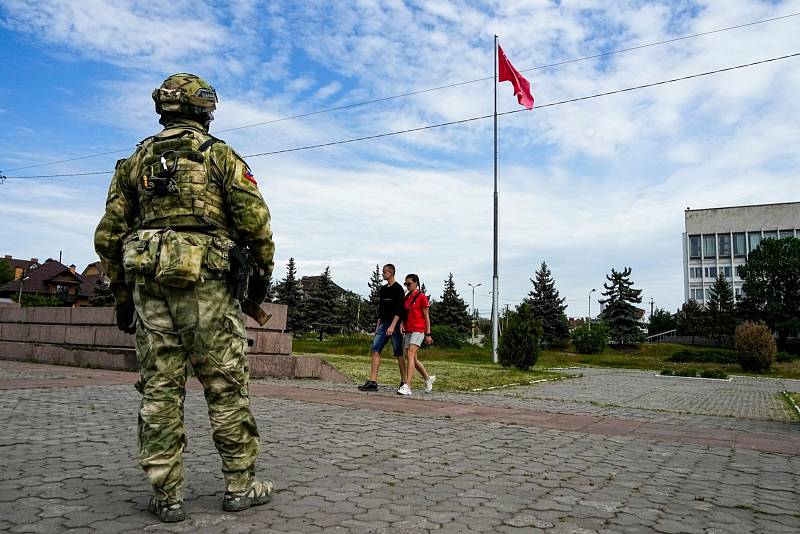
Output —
(175, 258)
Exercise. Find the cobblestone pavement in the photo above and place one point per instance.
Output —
(743, 403)
(66, 464)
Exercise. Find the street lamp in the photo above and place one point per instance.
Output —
(473, 308)
(590, 307)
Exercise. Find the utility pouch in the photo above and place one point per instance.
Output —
(140, 254)
(218, 255)
(180, 259)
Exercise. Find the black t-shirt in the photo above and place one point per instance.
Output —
(391, 302)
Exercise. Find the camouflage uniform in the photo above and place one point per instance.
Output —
(167, 254)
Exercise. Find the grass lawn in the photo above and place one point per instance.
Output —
(472, 361)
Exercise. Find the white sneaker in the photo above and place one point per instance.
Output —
(429, 383)
(404, 390)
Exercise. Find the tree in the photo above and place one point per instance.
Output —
(288, 292)
(771, 286)
(351, 310)
(548, 307)
(451, 310)
(270, 296)
(374, 284)
(101, 294)
(620, 313)
(519, 343)
(720, 313)
(661, 321)
(6, 272)
(320, 305)
(690, 320)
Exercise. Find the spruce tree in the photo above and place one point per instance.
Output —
(721, 309)
(270, 296)
(620, 313)
(320, 308)
(451, 310)
(288, 292)
(691, 320)
(548, 307)
(374, 284)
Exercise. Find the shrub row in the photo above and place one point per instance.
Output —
(703, 356)
(692, 372)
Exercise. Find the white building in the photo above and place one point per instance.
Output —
(717, 240)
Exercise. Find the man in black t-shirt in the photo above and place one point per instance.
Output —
(390, 310)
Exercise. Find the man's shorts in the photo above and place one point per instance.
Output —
(381, 339)
(413, 338)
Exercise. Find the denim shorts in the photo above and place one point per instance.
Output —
(381, 339)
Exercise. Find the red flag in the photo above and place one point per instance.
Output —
(507, 73)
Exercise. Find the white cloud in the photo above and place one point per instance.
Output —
(585, 186)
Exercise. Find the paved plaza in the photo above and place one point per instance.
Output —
(611, 451)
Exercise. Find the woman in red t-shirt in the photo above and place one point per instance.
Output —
(417, 328)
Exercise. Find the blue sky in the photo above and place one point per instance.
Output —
(585, 186)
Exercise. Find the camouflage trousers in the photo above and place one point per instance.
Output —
(201, 326)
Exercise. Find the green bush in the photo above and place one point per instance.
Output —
(713, 373)
(688, 371)
(666, 372)
(755, 346)
(703, 356)
(590, 340)
(519, 342)
(784, 357)
(446, 337)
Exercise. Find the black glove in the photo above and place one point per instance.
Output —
(125, 311)
(258, 285)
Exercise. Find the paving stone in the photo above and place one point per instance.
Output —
(70, 465)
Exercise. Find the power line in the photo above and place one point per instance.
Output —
(421, 91)
(482, 117)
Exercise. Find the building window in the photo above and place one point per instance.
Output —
(739, 244)
(694, 246)
(709, 246)
(786, 233)
(724, 244)
(755, 239)
(697, 294)
(738, 292)
(695, 272)
(771, 235)
(711, 272)
(728, 271)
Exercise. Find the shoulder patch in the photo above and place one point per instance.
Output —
(249, 176)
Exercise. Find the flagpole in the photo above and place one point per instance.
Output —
(495, 300)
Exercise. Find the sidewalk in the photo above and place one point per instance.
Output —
(345, 461)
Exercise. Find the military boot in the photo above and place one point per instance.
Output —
(167, 512)
(243, 490)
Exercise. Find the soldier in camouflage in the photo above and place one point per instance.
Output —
(177, 211)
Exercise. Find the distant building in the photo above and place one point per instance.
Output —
(718, 240)
(50, 279)
(308, 283)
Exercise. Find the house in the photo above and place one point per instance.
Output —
(49, 279)
(307, 284)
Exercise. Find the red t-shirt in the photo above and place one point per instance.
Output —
(415, 321)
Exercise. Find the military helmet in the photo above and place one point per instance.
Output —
(185, 93)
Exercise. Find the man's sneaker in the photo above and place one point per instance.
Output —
(166, 511)
(259, 492)
(369, 385)
(429, 383)
(404, 390)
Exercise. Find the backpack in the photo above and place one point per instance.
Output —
(404, 317)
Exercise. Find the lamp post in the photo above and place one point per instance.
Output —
(590, 307)
(473, 308)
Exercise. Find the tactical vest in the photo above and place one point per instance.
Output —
(175, 188)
